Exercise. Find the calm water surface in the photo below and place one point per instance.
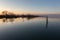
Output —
(30, 29)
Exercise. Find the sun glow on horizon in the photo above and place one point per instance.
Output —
(31, 6)
(27, 12)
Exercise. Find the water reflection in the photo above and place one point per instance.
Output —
(34, 28)
(46, 22)
(6, 20)
(12, 19)
(23, 19)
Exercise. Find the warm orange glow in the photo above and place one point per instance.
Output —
(16, 11)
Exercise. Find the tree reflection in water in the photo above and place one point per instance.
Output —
(13, 19)
(8, 20)
(28, 18)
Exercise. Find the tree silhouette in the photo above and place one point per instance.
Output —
(4, 12)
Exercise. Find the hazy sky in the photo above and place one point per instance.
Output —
(38, 6)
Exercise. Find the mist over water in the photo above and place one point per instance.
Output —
(40, 28)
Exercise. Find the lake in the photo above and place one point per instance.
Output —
(39, 28)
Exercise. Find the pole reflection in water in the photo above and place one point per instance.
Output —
(46, 22)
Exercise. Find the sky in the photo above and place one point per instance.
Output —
(31, 6)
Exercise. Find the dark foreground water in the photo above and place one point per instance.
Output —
(30, 29)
